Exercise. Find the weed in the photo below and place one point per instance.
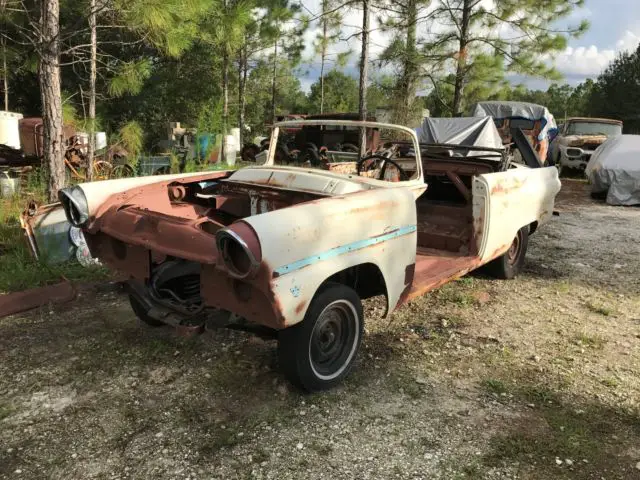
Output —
(5, 411)
(453, 293)
(593, 341)
(494, 386)
(260, 455)
(323, 450)
(610, 382)
(452, 322)
(600, 309)
(466, 281)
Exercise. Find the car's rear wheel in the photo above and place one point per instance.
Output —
(142, 313)
(510, 264)
(318, 353)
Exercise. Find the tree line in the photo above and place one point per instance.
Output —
(132, 66)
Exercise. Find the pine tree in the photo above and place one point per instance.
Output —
(402, 17)
(521, 32)
(330, 21)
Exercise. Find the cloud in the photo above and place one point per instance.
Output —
(590, 61)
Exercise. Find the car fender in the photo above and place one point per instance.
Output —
(306, 244)
(504, 202)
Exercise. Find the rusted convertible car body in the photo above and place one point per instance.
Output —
(294, 250)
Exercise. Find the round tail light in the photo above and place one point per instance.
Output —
(239, 250)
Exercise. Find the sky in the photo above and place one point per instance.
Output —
(614, 27)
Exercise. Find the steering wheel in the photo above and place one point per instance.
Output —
(384, 161)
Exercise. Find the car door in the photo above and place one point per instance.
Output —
(504, 202)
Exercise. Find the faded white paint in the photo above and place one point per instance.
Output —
(504, 202)
(308, 229)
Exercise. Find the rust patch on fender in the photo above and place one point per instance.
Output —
(300, 307)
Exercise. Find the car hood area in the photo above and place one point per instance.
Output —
(581, 140)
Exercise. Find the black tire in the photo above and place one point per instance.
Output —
(311, 155)
(249, 152)
(282, 155)
(509, 265)
(318, 353)
(141, 313)
(350, 147)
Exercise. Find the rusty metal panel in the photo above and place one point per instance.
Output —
(309, 242)
(504, 202)
(12, 303)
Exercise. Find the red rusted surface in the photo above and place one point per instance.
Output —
(433, 270)
(12, 303)
(507, 186)
(300, 307)
(256, 302)
(177, 193)
(131, 260)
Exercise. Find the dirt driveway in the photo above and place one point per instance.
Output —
(537, 378)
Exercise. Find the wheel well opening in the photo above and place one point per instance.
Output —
(366, 279)
(533, 227)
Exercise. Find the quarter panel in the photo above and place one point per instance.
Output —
(305, 244)
(509, 201)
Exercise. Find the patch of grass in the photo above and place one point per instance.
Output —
(452, 322)
(221, 439)
(322, 449)
(18, 269)
(599, 309)
(407, 384)
(494, 386)
(599, 435)
(466, 281)
(539, 394)
(590, 340)
(563, 287)
(452, 295)
(610, 382)
(260, 455)
(471, 470)
(5, 411)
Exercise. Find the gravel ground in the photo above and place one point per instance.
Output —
(536, 378)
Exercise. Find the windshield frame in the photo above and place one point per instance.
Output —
(348, 123)
(595, 122)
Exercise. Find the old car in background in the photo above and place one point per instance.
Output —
(578, 139)
(614, 170)
(535, 121)
(291, 252)
(315, 145)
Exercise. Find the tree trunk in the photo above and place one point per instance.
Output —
(323, 55)
(273, 82)
(225, 98)
(364, 70)
(49, 79)
(242, 96)
(5, 74)
(407, 86)
(462, 59)
(92, 90)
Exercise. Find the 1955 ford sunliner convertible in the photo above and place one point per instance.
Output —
(291, 251)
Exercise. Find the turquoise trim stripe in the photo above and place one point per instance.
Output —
(337, 251)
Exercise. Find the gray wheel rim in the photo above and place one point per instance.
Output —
(334, 340)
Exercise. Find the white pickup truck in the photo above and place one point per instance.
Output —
(294, 250)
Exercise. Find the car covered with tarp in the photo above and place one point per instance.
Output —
(475, 137)
(614, 170)
(535, 121)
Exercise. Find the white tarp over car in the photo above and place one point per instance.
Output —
(614, 169)
(466, 131)
(529, 111)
